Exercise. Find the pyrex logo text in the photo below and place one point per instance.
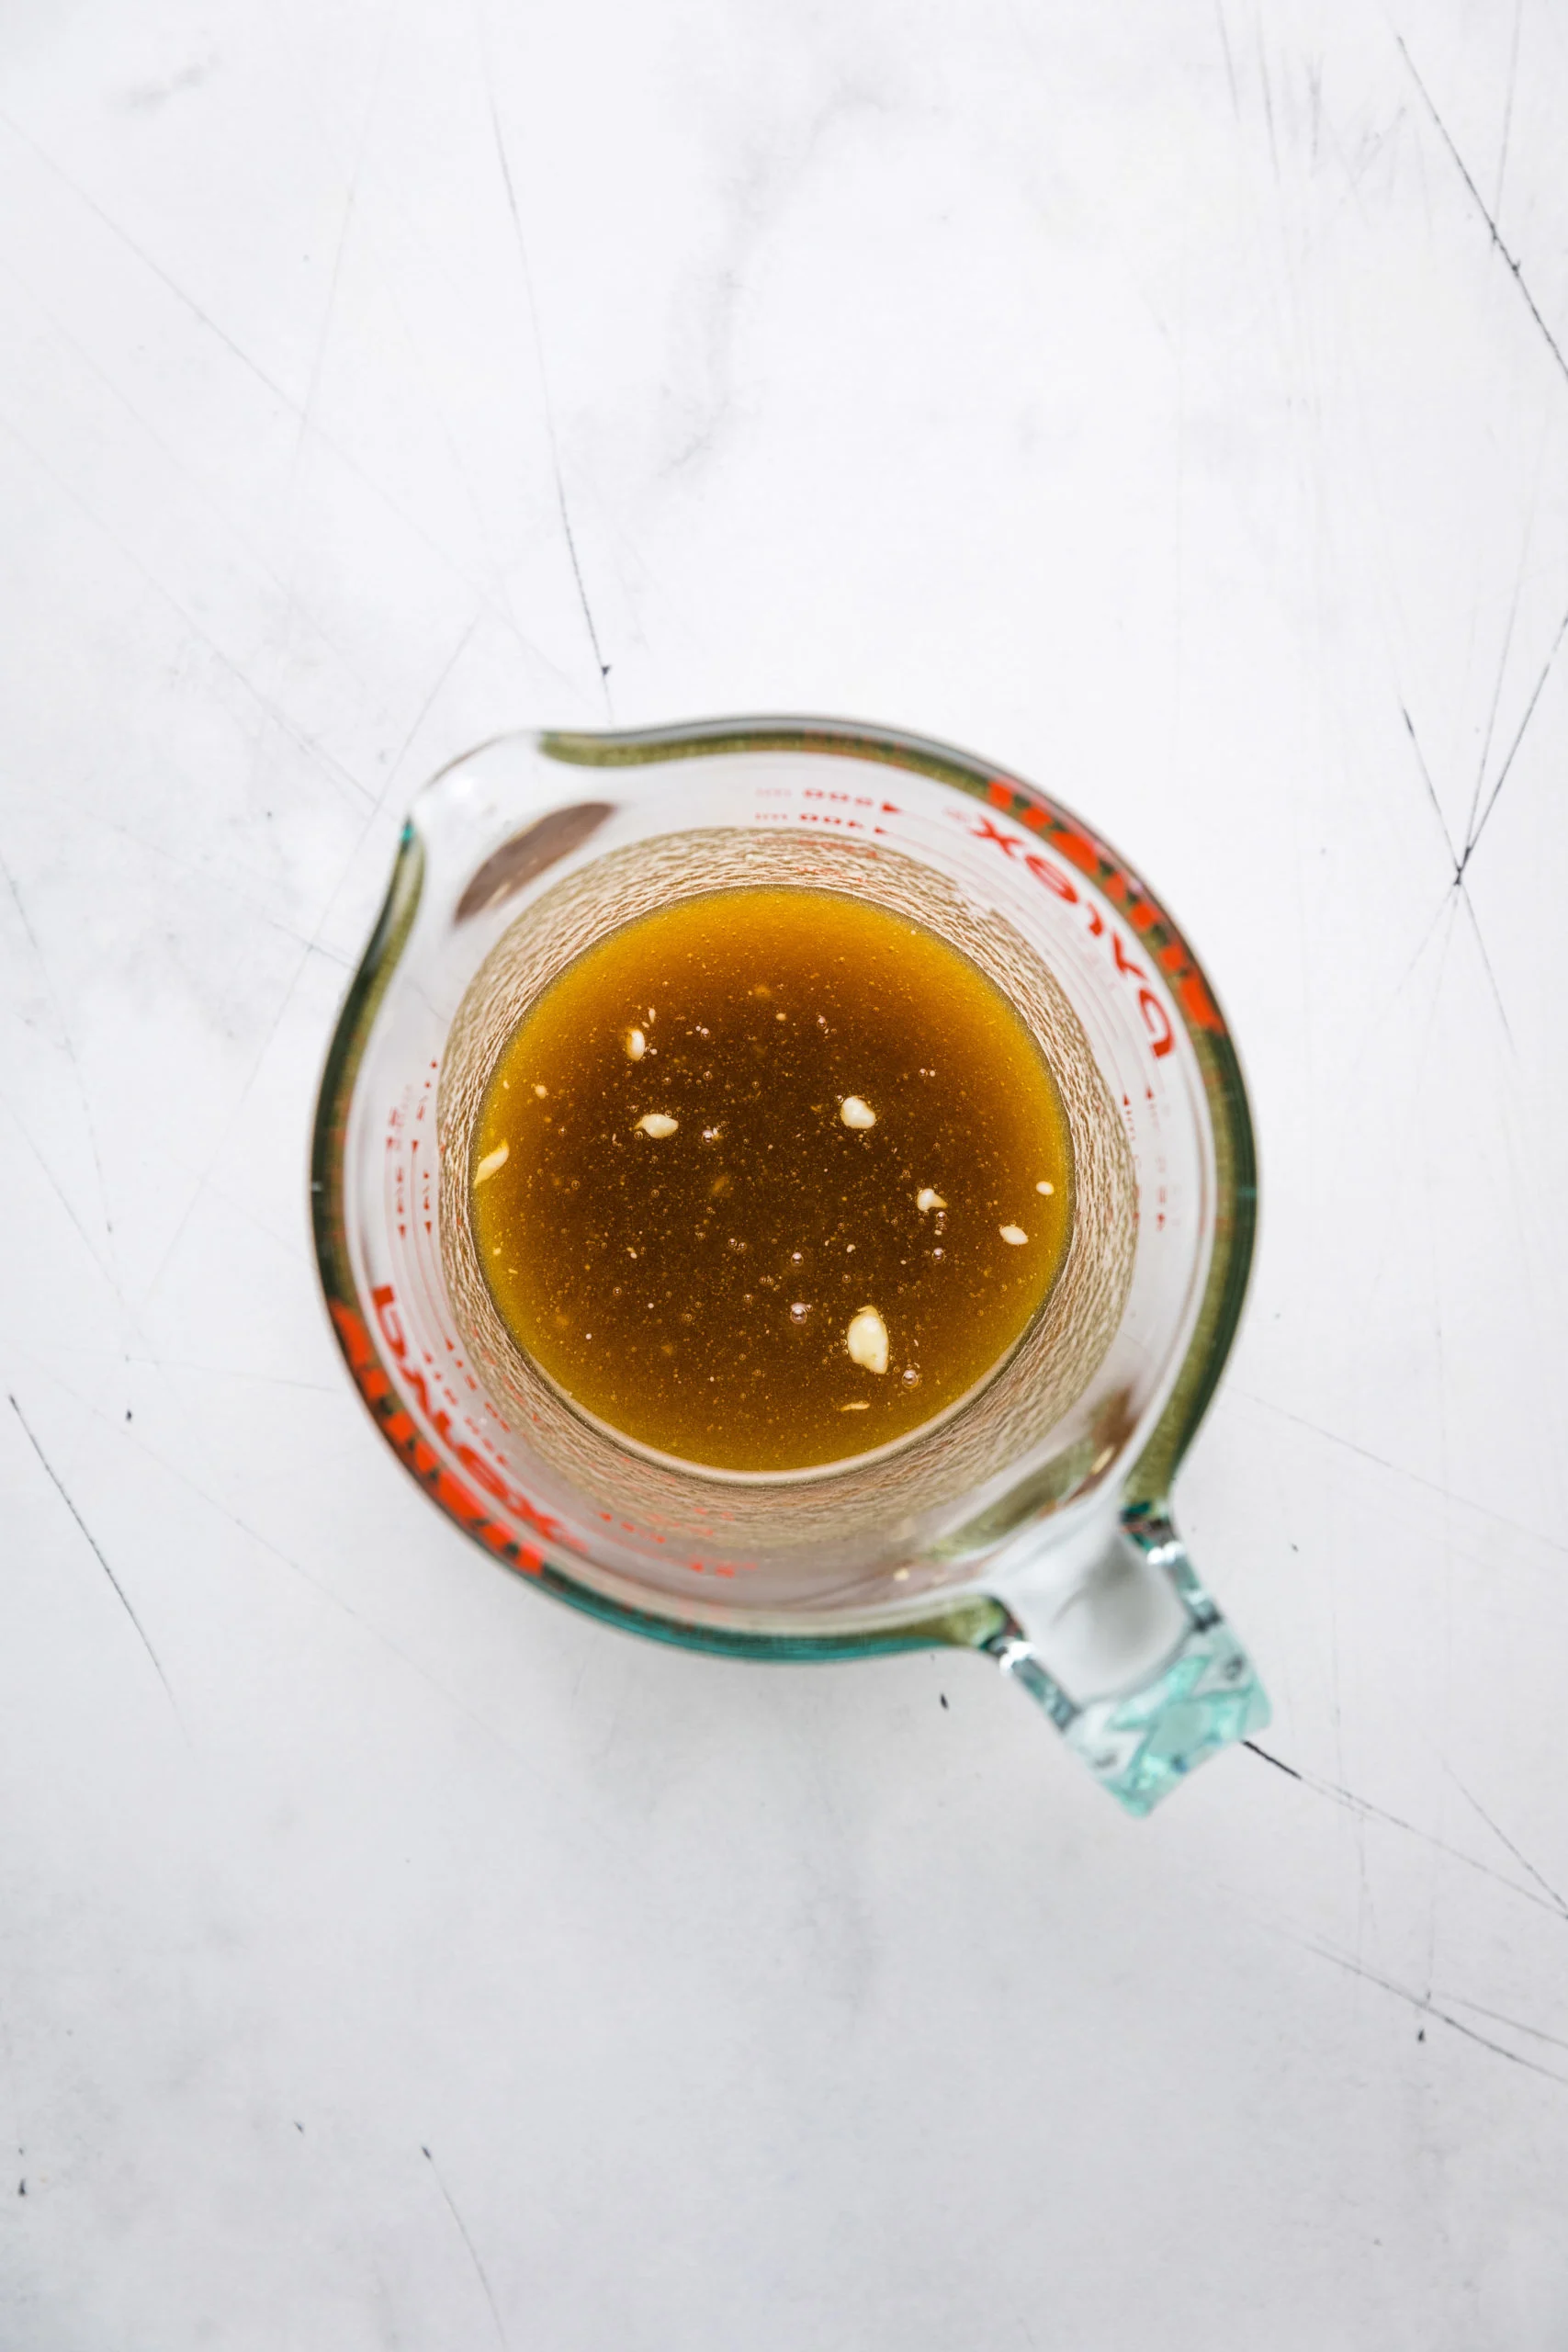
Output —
(1013, 847)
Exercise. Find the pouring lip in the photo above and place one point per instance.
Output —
(965, 1619)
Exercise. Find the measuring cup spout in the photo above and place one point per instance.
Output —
(1134, 1664)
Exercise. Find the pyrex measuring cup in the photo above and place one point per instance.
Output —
(1032, 1523)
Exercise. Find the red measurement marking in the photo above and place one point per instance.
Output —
(485, 1475)
(449, 1490)
(1090, 856)
(1155, 1020)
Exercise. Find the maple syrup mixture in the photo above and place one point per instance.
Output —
(769, 1179)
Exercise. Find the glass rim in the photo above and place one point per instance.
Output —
(968, 1619)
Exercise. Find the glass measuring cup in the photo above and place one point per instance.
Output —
(1033, 1522)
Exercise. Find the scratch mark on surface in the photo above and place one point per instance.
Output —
(1487, 960)
(280, 648)
(1412, 1126)
(1366, 1811)
(1504, 1839)
(252, 908)
(329, 312)
(187, 472)
(1024, 2329)
(1431, 788)
(296, 735)
(1546, 669)
(1445, 907)
(1515, 2025)
(1457, 884)
(344, 455)
(312, 946)
(512, 203)
(427, 705)
(285, 1000)
(316, 1583)
(1230, 60)
(480, 509)
(473, 2250)
(1503, 658)
(119, 1592)
(1268, 95)
(1460, 859)
(1427, 2007)
(1398, 1469)
(70, 1053)
(1508, 107)
(147, 261)
(55, 1187)
(1552, 343)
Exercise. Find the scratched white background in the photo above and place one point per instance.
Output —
(1168, 401)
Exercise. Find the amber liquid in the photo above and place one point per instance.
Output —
(770, 1179)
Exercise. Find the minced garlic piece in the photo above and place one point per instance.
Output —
(866, 1340)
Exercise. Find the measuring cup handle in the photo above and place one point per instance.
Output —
(1162, 1682)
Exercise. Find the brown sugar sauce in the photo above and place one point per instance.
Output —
(770, 1179)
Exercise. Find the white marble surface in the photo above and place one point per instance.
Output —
(1139, 396)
